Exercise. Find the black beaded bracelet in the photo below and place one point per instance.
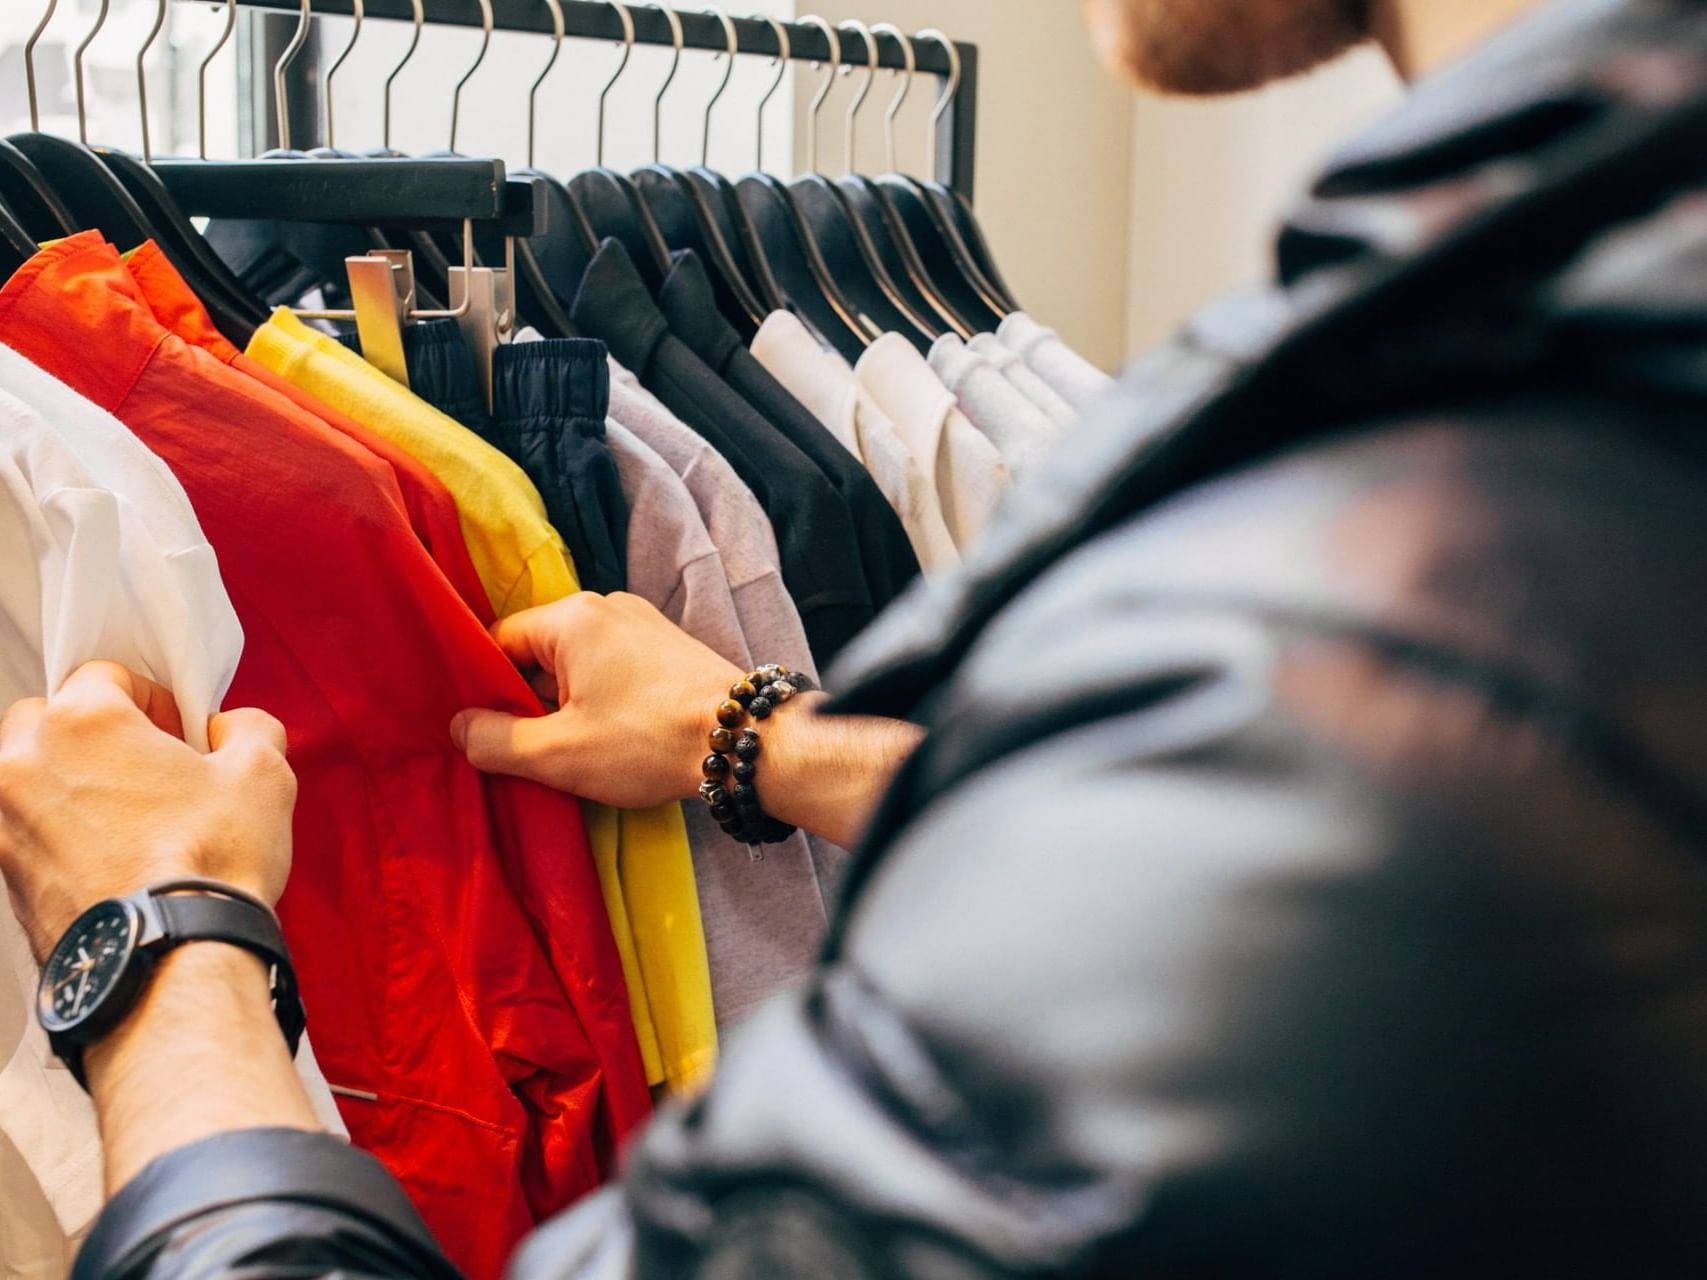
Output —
(730, 788)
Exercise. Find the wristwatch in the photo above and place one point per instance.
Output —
(98, 971)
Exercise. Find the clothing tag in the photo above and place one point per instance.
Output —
(756, 852)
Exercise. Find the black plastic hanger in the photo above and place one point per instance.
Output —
(684, 213)
(875, 208)
(972, 234)
(17, 245)
(31, 198)
(846, 246)
(928, 212)
(793, 251)
(740, 234)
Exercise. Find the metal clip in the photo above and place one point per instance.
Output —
(382, 286)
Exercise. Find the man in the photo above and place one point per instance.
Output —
(1302, 869)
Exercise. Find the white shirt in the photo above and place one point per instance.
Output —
(827, 387)
(1074, 379)
(1017, 427)
(104, 559)
(965, 468)
(1018, 372)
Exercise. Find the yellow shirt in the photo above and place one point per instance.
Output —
(644, 864)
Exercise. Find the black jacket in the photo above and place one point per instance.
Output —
(1306, 871)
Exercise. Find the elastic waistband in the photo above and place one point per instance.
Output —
(557, 378)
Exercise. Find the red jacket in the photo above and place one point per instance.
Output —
(455, 955)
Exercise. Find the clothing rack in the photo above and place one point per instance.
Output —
(592, 20)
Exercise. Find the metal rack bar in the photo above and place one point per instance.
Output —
(592, 20)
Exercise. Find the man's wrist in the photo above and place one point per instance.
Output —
(207, 975)
(200, 1054)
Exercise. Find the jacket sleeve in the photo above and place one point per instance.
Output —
(1235, 974)
(261, 1203)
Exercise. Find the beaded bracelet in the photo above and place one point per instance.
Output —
(730, 789)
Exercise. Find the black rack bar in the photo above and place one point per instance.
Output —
(593, 20)
(438, 191)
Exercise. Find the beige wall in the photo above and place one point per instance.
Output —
(1054, 152)
(1211, 181)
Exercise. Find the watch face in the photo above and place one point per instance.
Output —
(87, 965)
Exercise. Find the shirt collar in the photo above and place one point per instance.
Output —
(689, 303)
(614, 304)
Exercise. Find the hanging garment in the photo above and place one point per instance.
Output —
(1021, 432)
(764, 918)
(548, 413)
(829, 389)
(770, 623)
(654, 922)
(672, 562)
(1072, 377)
(965, 468)
(519, 556)
(690, 305)
(105, 560)
(452, 944)
(813, 527)
(1014, 368)
(432, 510)
(572, 470)
(549, 403)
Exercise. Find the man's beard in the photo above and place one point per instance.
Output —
(1224, 46)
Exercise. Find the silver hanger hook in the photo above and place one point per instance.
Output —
(910, 58)
(676, 41)
(30, 63)
(280, 92)
(77, 68)
(556, 7)
(864, 33)
(627, 50)
(142, 81)
(420, 19)
(356, 7)
(946, 98)
(783, 49)
(734, 41)
(485, 44)
(201, 75)
(835, 66)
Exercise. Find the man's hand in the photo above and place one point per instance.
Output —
(635, 697)
(99, 796)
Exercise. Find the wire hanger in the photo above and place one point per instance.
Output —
(201, 76)
(611, 201)
(874, 209)
(214, 282)
(685, 214)
(25, 189)
(790, 245)
(356, 13)
(87, 192)
(847, 247)
(715, 196)
(929, 213)
(390, 80)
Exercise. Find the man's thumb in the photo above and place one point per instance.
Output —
(498, 743)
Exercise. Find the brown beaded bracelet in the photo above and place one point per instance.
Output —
(730, 789)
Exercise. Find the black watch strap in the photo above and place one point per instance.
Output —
(241, 922)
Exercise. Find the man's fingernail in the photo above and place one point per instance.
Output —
(459, 730)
